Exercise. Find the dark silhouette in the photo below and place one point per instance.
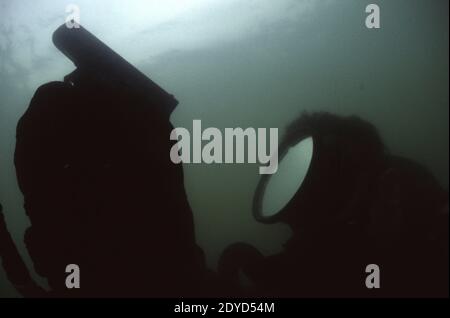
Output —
(92, 160)
(357, 206)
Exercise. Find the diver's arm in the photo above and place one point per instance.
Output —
(15, 268)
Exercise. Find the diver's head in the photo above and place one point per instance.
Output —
(324, 158)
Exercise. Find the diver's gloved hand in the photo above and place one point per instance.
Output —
(237, 259)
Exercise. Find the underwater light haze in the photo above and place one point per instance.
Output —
(243, 63)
